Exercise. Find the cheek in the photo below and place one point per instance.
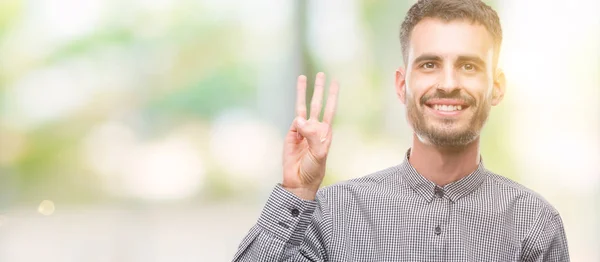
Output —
(424, 81)
(418, 85)
(478, 87)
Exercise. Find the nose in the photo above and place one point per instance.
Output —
(449, 80)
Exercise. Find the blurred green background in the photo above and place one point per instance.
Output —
(144, 130)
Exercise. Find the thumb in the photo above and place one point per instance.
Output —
(315, 132)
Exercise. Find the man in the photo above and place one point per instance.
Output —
(440, 203)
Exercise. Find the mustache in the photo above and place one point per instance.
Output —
(455, 95)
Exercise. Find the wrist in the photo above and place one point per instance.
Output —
(304, 193)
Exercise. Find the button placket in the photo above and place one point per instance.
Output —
(442, 203)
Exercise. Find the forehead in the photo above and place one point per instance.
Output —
(450, 39)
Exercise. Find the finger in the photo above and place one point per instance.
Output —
(301, 97)
(294, 130)
(331, 102)
(317, 98)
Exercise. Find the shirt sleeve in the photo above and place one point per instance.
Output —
(288, 229)
(548, 243)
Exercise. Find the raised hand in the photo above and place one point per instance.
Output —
(307, 142)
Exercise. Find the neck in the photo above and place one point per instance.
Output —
(444, 165)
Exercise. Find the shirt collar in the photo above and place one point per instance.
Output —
(452, 191)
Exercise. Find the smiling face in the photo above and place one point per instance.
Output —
(450, 81)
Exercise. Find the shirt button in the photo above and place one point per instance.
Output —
(438, 230)
(439, 193)
(295, 212)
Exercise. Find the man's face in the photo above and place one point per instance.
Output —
(449, 85)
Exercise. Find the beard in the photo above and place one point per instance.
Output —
(447, 132)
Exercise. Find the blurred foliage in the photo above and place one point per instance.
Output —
(106, 37)
(9, 12)
(203, 76)
(232, 87)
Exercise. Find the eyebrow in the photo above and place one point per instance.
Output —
(471, 58)
(427, 57)
(461, 59)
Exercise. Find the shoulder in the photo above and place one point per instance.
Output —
(370, 183)
(520, 195)
(539, 223)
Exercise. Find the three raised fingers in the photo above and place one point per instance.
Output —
(317, 98)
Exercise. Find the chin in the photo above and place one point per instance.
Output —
(448, 129)
(449, 137)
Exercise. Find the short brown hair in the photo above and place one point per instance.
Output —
(447, 10)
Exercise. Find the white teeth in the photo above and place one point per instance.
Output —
(447, 108)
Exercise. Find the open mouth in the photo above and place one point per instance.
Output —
(447, 106)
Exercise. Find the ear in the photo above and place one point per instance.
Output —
(401, 84)
(499, 87)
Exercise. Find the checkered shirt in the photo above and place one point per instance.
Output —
(397, 215)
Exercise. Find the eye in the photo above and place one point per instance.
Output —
(469, 67)
(428, 65)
